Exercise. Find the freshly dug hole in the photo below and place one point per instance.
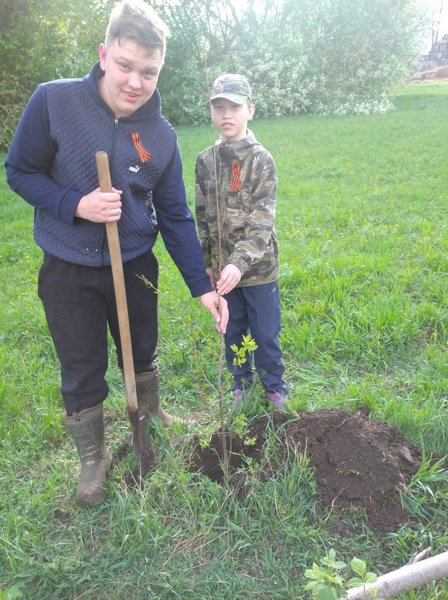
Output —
(358, 462)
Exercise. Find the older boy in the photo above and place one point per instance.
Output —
(51, 164)
(244, 244)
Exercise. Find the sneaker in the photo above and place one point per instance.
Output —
(277, 400)
(237, 399)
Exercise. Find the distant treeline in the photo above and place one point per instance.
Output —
(316, 56)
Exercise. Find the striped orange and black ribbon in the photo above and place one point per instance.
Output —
(236, 183)
(143, 154)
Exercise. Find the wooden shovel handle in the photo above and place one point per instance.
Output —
(102, 164)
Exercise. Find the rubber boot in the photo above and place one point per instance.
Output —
(87, 431)
(148, 398)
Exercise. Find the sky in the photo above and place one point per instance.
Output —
(443, 25)
(443, 28)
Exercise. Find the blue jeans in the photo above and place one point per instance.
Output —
(256, 309)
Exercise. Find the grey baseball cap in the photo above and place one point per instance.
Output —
(232, 87)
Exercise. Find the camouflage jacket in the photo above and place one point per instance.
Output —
(247, 184)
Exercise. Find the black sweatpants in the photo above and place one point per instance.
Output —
(79, 305)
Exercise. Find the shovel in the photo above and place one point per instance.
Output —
(140, 434)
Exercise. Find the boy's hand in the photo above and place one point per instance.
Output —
(230, 277)
(218, 308)
(100, 207)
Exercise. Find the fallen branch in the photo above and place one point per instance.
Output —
(402, 580)
(417, 557)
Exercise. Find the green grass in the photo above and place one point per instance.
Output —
(363, 230)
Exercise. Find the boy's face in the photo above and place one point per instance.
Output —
(130, 77)
(231, 119)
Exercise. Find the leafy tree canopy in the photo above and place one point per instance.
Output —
(299, 55)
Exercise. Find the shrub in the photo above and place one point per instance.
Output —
(13, 98)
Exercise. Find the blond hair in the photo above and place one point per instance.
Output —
(136, 20)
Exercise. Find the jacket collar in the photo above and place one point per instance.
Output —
(249, 140)
(235, 149)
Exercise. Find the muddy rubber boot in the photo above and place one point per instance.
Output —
(87, 431)
(148, 398)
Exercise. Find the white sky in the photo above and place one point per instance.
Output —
(444, 22)
(443, 26)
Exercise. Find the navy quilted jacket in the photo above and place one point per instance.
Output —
(51, 164)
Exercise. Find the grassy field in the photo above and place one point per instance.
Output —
(363, 229)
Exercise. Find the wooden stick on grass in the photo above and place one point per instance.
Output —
(402, 580)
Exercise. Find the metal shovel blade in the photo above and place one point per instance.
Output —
(141, 442)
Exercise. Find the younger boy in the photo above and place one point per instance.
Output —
(241, 239)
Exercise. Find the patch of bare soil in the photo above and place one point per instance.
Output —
(358, 462)
(430, 75)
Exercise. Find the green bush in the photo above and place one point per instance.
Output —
(13, 98)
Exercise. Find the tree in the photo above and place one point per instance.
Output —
(204, 35)
(42, 40)
(300, 56)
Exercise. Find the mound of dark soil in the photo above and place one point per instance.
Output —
(358, 462)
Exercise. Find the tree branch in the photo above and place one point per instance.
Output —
(402, 580)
